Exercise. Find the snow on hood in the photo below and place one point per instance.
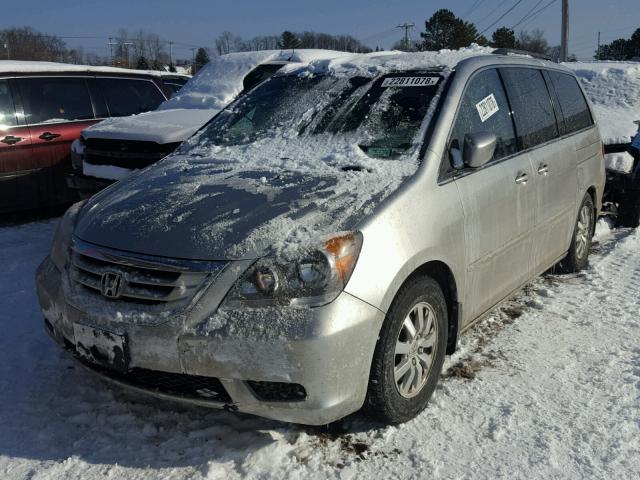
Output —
(160, 126)
(614, 91)
(272, 195)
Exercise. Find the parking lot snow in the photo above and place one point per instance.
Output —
(547, 386)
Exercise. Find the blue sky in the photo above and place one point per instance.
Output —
(198, 22)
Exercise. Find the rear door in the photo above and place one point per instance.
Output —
(553, 160)
(57, 109)
(15, 150)
(498, 199)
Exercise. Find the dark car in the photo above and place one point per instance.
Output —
(44, 107)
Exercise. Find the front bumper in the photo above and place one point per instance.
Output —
(85, 185)
(326, 350)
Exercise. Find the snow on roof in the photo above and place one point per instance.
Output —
(220, 80)
(376, 63)
(614, 91)
(20, 66)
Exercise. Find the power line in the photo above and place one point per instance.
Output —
(537, 13)
(527, 14)
(502, 16)
(476, 5)
(492, 12)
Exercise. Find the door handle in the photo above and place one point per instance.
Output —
(522, 178)
(543, 169)
(11, 140)
(48, 136)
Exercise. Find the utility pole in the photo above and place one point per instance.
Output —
(598, 50)
(193, 60)
(564, 38)
(125, 45)
(406, 26)
(111, 44)
(170, 54)
(6, 47)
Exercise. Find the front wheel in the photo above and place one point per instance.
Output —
(578, 254)
(410, 352)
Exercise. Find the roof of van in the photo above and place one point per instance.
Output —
(24, 66)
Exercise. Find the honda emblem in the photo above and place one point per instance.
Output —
(111, 284)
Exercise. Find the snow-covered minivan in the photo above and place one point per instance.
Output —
(111, 150)
(323, 242)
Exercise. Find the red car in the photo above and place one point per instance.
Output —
(44, 107)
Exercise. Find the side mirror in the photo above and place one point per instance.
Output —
(478, 148)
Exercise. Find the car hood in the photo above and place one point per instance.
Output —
(159, 126)
(210, 209)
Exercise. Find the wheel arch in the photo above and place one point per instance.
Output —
(443, 275)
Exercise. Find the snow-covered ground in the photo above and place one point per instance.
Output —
(548, 386)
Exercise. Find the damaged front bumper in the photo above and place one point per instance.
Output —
(301, 365)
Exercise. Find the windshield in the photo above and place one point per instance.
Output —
(381, 115)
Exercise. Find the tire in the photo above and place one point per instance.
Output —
(583, 229)
(392, 402)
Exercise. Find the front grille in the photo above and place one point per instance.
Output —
(130, 154)
(141, 280)
(278, 391)
(176, 384)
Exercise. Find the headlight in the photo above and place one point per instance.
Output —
(314, 277)
(77, 154)
(62, 239)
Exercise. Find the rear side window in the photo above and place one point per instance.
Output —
(57, 99)
(484, 108)
(572, 102)
(531, 104)
(7, 109)
(129, 96)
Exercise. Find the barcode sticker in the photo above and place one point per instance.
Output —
(410, 81)
(487, 107)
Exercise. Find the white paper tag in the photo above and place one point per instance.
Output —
(487, 107)
(409, 81)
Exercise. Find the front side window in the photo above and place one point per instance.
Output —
(57, 99)
(129, 96)
(382, 116)
(7, 109)
(484, 108)
(532, 109)
(572, 102)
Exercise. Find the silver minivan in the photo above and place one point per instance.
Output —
(321, 244)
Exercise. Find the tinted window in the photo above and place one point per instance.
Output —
(128, 96)
(7, 110)
(532, 109)
(572, 103)
(55, 99)
(484, 108)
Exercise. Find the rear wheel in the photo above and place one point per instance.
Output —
(578, 254)
(409, 354)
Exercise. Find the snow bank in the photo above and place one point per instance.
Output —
(614, 91)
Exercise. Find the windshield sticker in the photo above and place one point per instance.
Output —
(487, 107)
(409, 81)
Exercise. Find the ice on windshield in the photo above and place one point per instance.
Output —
(382, 116)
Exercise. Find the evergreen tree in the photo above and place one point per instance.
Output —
(142, 63)
(445, 30)
(503, 38)
(288, 41)
(202, 58)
